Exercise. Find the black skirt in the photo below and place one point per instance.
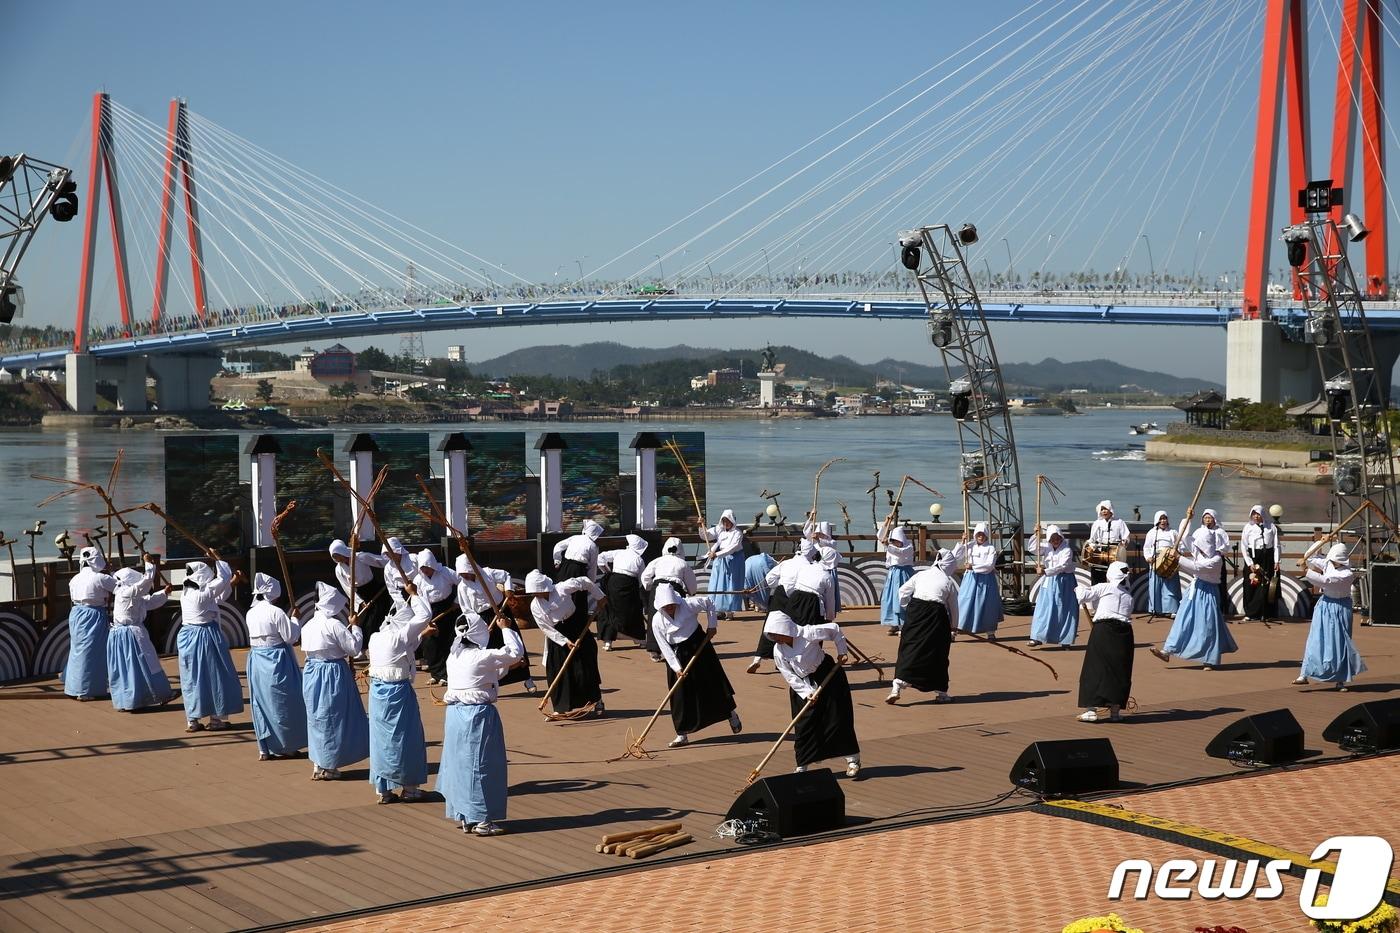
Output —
(924, 641)
(581, 683)
(371, 594)
(624, 613)
(705, 696)
(1107, 676)
(1257, 604)
(828, 730)
(437, 644)
(497, 639)
(567, 570)
(777, 602)
(805, 608)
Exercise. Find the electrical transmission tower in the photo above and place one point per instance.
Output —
(1353, 390)
(411, 345)
(991, 476)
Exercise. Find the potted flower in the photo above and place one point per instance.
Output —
(1111, 923)
(1384, 919)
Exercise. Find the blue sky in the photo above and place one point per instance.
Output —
(537, 135)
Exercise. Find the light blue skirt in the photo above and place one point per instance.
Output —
(472, 776)
(208, 680)
(979, 603)
(728, 574)
(1163, 595)
(274, 692)
(1330, 654)
(85, 674)
(891, 613)
(755, 573)
(1199, 632)
(398, 753)
(1056, 617)
(337, 729)
(134, 685)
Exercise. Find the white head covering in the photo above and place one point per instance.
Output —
(339, 548)
(129, 577)
(807, 549)
(945, 561)
(1117, 572)
(779, 623)
(823, 529)
(1053, 530)
(463, 565)
(637, 543)
(1337, 554)
(330, 601)
(266, 587)
(1203, 540)
(673, 546)
(666, 595)
(426, 558)
(1265, 519)
(1159, 516)
(474, 629)
(1105, 504)
(395, 545)
(536, 582)
(729, 514)
(981, 529)
(92, 557)
(898, 536)
(592, 529)
(199, 573)
(1211, 513)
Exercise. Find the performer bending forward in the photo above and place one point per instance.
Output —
(336, 725)
(1199, 632)
(1107, 676)
(704, 696)
(1330, 655)
(133, 667)
(1056, 616)
(398, 753)
(828, 729)
(472, 777)
(781, 581)
(1163, 593)
(931, 614)
(274, 680)
(979, 598)
(472, 597)
(557, 615)
(671, 567)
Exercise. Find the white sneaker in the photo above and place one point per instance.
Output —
(753, 666)
(852, 767)
(894, 695)
(487, 829)
(1089, 715)
(531, 687)
(607, 646)
(800, 769)
(679, 741)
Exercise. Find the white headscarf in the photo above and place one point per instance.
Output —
(129, 577)
(666, 595)
(1212, 514)
(339, 548)
(1203, 540)
(330, 601)
(1105, 504)
(92, 557)
(1337, 554)
(267, 587)
(536, 582)
(673, 546)
(463, 565)
(592, 529)
(823, 529)
(898, 536)
(981, 529)
(945, 561)
(1117, 572)
(1265, 519)
(426, 558)
(807, 549)
(474, 629)
(199, 573)
(1051, 531)
(779, 623)
(637, 543)
(1158, 517)
(729, 514)
(395, 546)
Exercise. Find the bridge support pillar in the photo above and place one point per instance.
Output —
(182, 379)
(1262, 366)
(80, 381)
(129, 376)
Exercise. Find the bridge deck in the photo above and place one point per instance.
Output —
(123, 821)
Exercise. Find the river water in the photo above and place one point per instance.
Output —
(1089, 456)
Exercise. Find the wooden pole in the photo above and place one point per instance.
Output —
(634, 747)
(275, 533)
(1039, 482)
(758, 769)
(563, 668)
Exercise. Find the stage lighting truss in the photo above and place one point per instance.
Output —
(958, 328)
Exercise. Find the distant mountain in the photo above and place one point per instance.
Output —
(1049, 375)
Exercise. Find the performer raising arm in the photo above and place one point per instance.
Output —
(1331, 655)
(899, 567)
(136, 677)
(1106, 679)
(398, 753)
(1056, 616)
(208, 680)
(931, 601)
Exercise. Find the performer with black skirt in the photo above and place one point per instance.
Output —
(704, 696)
(473, 598)
(369, 613)
(930, 598)
(577, 556)
(557, 616)
(1259, 541)
(781, 580)
(438, 586)
(622, 584)
(828, 729)
(671, 567)
(1107, 676)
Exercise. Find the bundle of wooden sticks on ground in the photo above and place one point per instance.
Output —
(643, 842)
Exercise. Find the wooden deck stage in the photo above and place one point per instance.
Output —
(122, 821)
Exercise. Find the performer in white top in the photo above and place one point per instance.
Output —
(274, 679)
(782, 584)
(899, 567)
(1199, 632)
(1056, 616)
(1259, 547)
(397, 562)
(398, 753)
(828, 728)
(89, 621)
(622, 583)
(557, 617)
(577, 555)
(1106, 535)
(1330, 655)
(438, 585)
(930, 598)
(1106, 679)
(136, 677)
(671, 567)
(727, 553)
(979, 596)
(472, 776)
(367, 583)
(704, 696)
(337, 727)
(1163, 593)
(472, 597)
(208, 680)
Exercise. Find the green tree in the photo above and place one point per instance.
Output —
(373, 358)
(264, 391)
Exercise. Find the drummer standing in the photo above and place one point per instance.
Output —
(1107, 533)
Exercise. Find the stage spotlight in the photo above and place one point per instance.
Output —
(909, 244)
(11, 303)
(967, 235)
(940, 330)
(1297, 237)
(1356, 230)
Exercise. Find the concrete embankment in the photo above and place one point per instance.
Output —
(1288, 466)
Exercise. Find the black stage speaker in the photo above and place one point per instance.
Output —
(1367, 727)
(1385, 594)
(1068, 766)
(1265, 738)
(793, 804)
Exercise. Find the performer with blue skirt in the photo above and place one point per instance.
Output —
(274, 680)
(820, 534)
(979, 597)
(472, 776)
(208, 680)
(1056, 616)
(85, 674)
(727, 553)
(757, 563)
(133, 668)
(336, 726)
(1199, 632)
(899, 567)
(398, 753)
(1331, 655)
(1163, 592)
(781, 581)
